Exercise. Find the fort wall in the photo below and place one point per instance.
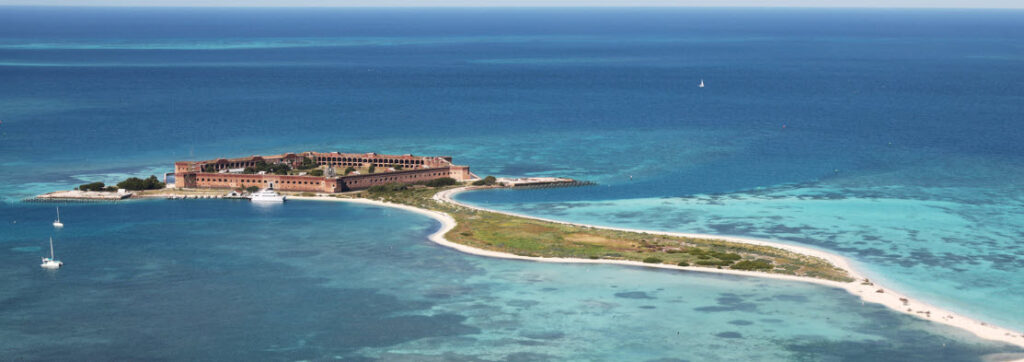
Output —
(213, 173)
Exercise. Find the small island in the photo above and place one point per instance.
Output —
(426, 185)
(544, 239)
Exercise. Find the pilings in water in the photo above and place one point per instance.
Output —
(67, 201)
(551, 185)
(79, 196)
(196, 197)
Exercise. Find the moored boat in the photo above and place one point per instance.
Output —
(51, 262)
(57, 223)
(267, 195)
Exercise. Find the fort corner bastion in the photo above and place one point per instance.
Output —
(242, 172)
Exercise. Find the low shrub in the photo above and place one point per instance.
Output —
(486, 181)
(392, 187)
(441, 182)
(759, 264)
(95, 186)
(714, 262)
(726, 256)
(135, 183)
(683, 263)
(652, 260)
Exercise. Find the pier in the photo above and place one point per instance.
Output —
(540, 182)
(83, 195)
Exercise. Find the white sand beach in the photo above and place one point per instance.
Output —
(868, 292)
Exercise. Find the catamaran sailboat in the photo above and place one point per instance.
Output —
(51, 262)
(57, 223)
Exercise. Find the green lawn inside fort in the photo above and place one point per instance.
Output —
(536, 238)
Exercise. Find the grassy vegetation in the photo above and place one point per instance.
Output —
(521, 236)
(137, 184)
(132, 184)
(275, 168)
(486, 181)
(346, 170)
(96, 186)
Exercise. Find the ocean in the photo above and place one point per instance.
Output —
(891, 137)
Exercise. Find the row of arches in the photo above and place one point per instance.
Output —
(359, 161)
(260, 181)
(386, 179)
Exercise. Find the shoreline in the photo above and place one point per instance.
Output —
(866, 292)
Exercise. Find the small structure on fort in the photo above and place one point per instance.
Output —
(357, 171)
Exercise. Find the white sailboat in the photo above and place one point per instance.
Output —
(701, 85)
(57, 223)
(51, 262)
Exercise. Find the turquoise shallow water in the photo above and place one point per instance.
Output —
(226, 280)
(936, 235)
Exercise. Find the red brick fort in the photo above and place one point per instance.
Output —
(227, 172)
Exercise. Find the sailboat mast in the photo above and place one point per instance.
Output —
(51, 248)
(58, 213)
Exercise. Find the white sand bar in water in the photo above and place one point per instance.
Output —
(869, 292)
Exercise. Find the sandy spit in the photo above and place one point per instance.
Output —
(873, 292)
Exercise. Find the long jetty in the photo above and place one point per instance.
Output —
(82, 196)
(541, 182)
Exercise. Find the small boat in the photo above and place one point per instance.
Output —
(51, 262)
(701, 85)
(57, 223)
(267, 195)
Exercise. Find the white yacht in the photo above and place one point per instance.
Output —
(57, 223)
(51, 262)
(267, 195)
(701, 85)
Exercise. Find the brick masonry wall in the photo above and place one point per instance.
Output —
(415, 169)
(359, 182)
(309, 183)
(280, 182)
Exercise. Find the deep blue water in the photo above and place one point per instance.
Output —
(889, 136)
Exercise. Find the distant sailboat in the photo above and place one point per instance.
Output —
(701, 85)
(57, 223)
(51, 262)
